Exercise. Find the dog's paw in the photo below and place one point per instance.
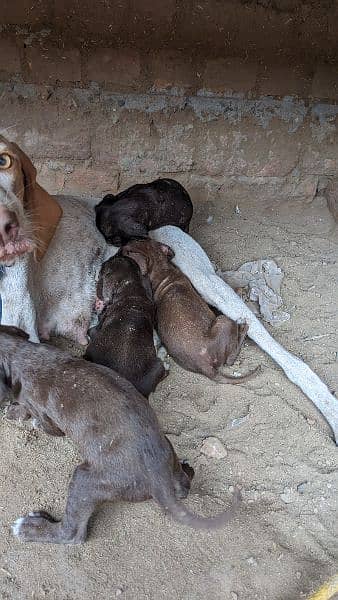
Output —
(37, 526)
(17, 412)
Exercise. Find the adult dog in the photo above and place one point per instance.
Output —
(56, 253)
(52, 253)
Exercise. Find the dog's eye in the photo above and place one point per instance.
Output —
(6, 161)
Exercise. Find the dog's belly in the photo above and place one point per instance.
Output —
(65, 280)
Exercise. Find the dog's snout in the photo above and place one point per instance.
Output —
(9, 226)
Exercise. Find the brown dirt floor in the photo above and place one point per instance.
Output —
(275, 441)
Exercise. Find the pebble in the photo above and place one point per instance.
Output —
(119, 592)
(287, 497)
(252, 561)
(310, 421)
(233, 596)
(237, 210)
(213, 448)
(210, 219)
(237, 422)
(298, 574)
(301, 487)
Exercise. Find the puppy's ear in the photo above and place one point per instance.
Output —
(167, 251)
(147, 286)
(11, 330)
(130, 229)
(137, 257)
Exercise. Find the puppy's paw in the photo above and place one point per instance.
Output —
(17, 412)
(37, 526)
(99, 305)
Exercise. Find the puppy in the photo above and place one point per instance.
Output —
(125, 455)
(140, 208)
(123, 339)
(189, 330)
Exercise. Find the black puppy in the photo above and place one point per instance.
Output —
(123, 339)
(141, 208)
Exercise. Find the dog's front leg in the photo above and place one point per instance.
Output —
(17, 294)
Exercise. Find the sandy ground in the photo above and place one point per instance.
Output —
(283, 541)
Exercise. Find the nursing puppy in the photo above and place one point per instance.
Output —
(125, 455)
(123, 339)
(189, 330)
(141, 208)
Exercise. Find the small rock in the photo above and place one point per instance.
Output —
(210, 219)
(237, 210)
(237, 422)
(287, 497)
(213, 448)
(233, 596)
(119, 592)
(301, 487)
(252, 561)
(310, 421)
(298, 574)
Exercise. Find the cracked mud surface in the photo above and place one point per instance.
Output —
(283, 541)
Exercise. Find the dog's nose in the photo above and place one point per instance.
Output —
(9, 226)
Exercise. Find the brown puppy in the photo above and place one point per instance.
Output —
(126, 457)
(189, 330)
(123, 339)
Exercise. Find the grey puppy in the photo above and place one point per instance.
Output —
(123, 339)
(189, 330)
(125, 455)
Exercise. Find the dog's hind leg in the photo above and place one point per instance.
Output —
(86, 491)
(228, 339)
(236, 342)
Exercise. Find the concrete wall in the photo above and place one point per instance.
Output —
(216, 94)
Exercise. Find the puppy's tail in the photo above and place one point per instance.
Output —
(180, 513)
(230, 379)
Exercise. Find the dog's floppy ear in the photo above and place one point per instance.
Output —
(45, 211)
(11, 330)
(167, 251)
(140, 259)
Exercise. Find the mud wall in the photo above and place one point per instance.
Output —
(216, 94)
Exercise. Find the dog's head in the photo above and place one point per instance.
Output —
(147, 253)
(115, 274)
(26, 210)
(117, 221)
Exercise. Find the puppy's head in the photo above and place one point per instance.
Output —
(114, 221)
(17, 182)
(13, 331)
(147, 253)
(115, 274)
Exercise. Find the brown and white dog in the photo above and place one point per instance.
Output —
(49, 281)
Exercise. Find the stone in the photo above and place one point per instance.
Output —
(171, 69)
(213, 448)
(284, 80)
(110, 65)
(229, 75)
(287, 496)
(325, 82)
(9, 56)
(51, 64)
